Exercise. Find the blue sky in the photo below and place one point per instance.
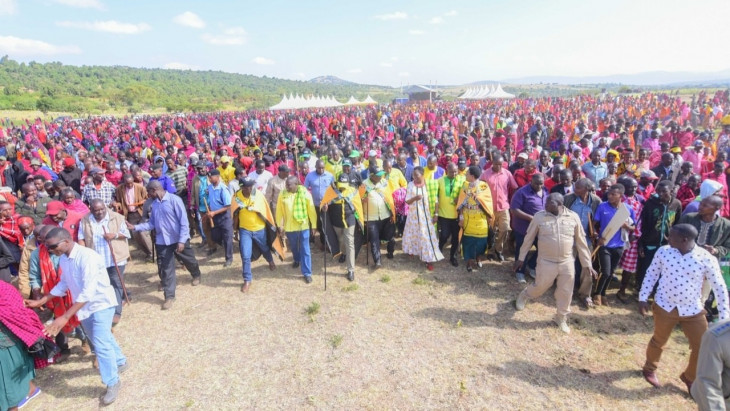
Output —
(374, 42)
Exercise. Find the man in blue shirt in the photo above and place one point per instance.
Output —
(164, 180)
(611, 248)
(317, 182)
(169, 220)
(219, 205)
(595, 170)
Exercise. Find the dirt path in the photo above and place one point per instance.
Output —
(449, 339)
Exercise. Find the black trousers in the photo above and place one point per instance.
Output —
(643, 265)
(449, 227)
(320, 227)
(222, 233)
(381, 230)
(166, 265)
(609, 258)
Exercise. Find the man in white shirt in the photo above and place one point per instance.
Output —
(680, 269)
(85, 275)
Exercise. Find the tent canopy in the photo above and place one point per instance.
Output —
(297, 102)
(489, 91)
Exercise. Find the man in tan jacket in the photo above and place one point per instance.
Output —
(130, 197)
(106, 232)
(558, 230)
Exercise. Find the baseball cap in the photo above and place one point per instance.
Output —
(283, 168)
(54, 207)
(354, 154)
(69, 162)
(96, 170)
(346, 162)
(523, 155)
(214, 172)
(248, 182)
(225, 159)
(698, 143)
(375, 170)
(372, 153)
(675, 149)
(3, 158)
(462, 161)
(35, 162)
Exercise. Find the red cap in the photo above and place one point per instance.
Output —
(69, 162)
(54, 207)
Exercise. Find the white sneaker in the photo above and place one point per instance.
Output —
(562, 324)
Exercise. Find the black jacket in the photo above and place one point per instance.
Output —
(656, 220)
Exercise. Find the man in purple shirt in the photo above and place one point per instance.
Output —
(164, 180)
(527, 201)
(172, 239)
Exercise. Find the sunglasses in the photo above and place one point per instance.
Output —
(54, 246)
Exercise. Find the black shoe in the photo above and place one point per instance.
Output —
(308, 279)
(341, 259)
(378, 264)
(295, 265)
(390, 256)
(227, 263)
(351, 275)
(499, 257)
(454, 262)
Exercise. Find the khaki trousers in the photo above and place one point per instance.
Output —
(346, 236)
(501, 222)
(546, 273)
(664, 322)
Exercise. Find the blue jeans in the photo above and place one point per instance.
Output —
(245, 242)
(299, 245)
(98, 328)
(531, 259)
(199, 220)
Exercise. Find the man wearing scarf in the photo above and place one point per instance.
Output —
(343, 213)
(296, 216)
(449, 189)
(379, 213)
(256, 229)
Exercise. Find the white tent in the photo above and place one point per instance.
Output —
(485, 92)
(352, 101)
(369, 100)
(297, 102)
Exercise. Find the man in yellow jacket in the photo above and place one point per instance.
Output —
(296, 216)
(342, 209)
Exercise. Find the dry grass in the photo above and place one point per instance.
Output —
(450, 341)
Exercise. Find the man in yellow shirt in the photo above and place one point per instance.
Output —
(254, 218)
(393, 176)
(333, 164)
(296, 216)
(449, 188)
(228, 172)
(377, 199)
(432, 170)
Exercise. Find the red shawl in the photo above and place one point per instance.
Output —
(20, 320)
(50, 277)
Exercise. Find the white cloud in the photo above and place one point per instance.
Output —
(234, 36)
(451, 13)
(299, 75)
(386, 64)
(82, 4)
(394, 58)
(263, 61)
(404, 74)
(109, 26)
(28, 47)
(8, 7)
(189, 19)
(398, 15)
(355, 71)
(180, 66)
(416, 32)
(437, 20)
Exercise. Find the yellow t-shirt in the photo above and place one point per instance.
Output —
(248, 220)
(396, 180)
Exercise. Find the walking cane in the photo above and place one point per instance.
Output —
(119, 274)
(326, 245)
(367, 240)
(207, 209)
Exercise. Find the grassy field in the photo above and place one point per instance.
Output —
(398, 338)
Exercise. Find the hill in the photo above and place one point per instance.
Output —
(103, 89)
(331, 80)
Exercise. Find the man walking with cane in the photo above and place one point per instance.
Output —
(106, 232)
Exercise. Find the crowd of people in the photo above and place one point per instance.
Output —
(575, 188)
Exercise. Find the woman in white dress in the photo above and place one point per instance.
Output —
(419, 236)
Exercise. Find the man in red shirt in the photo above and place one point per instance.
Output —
(524, 175)
(502, 185)
(58, 216)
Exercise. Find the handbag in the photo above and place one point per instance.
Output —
(44, 349)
